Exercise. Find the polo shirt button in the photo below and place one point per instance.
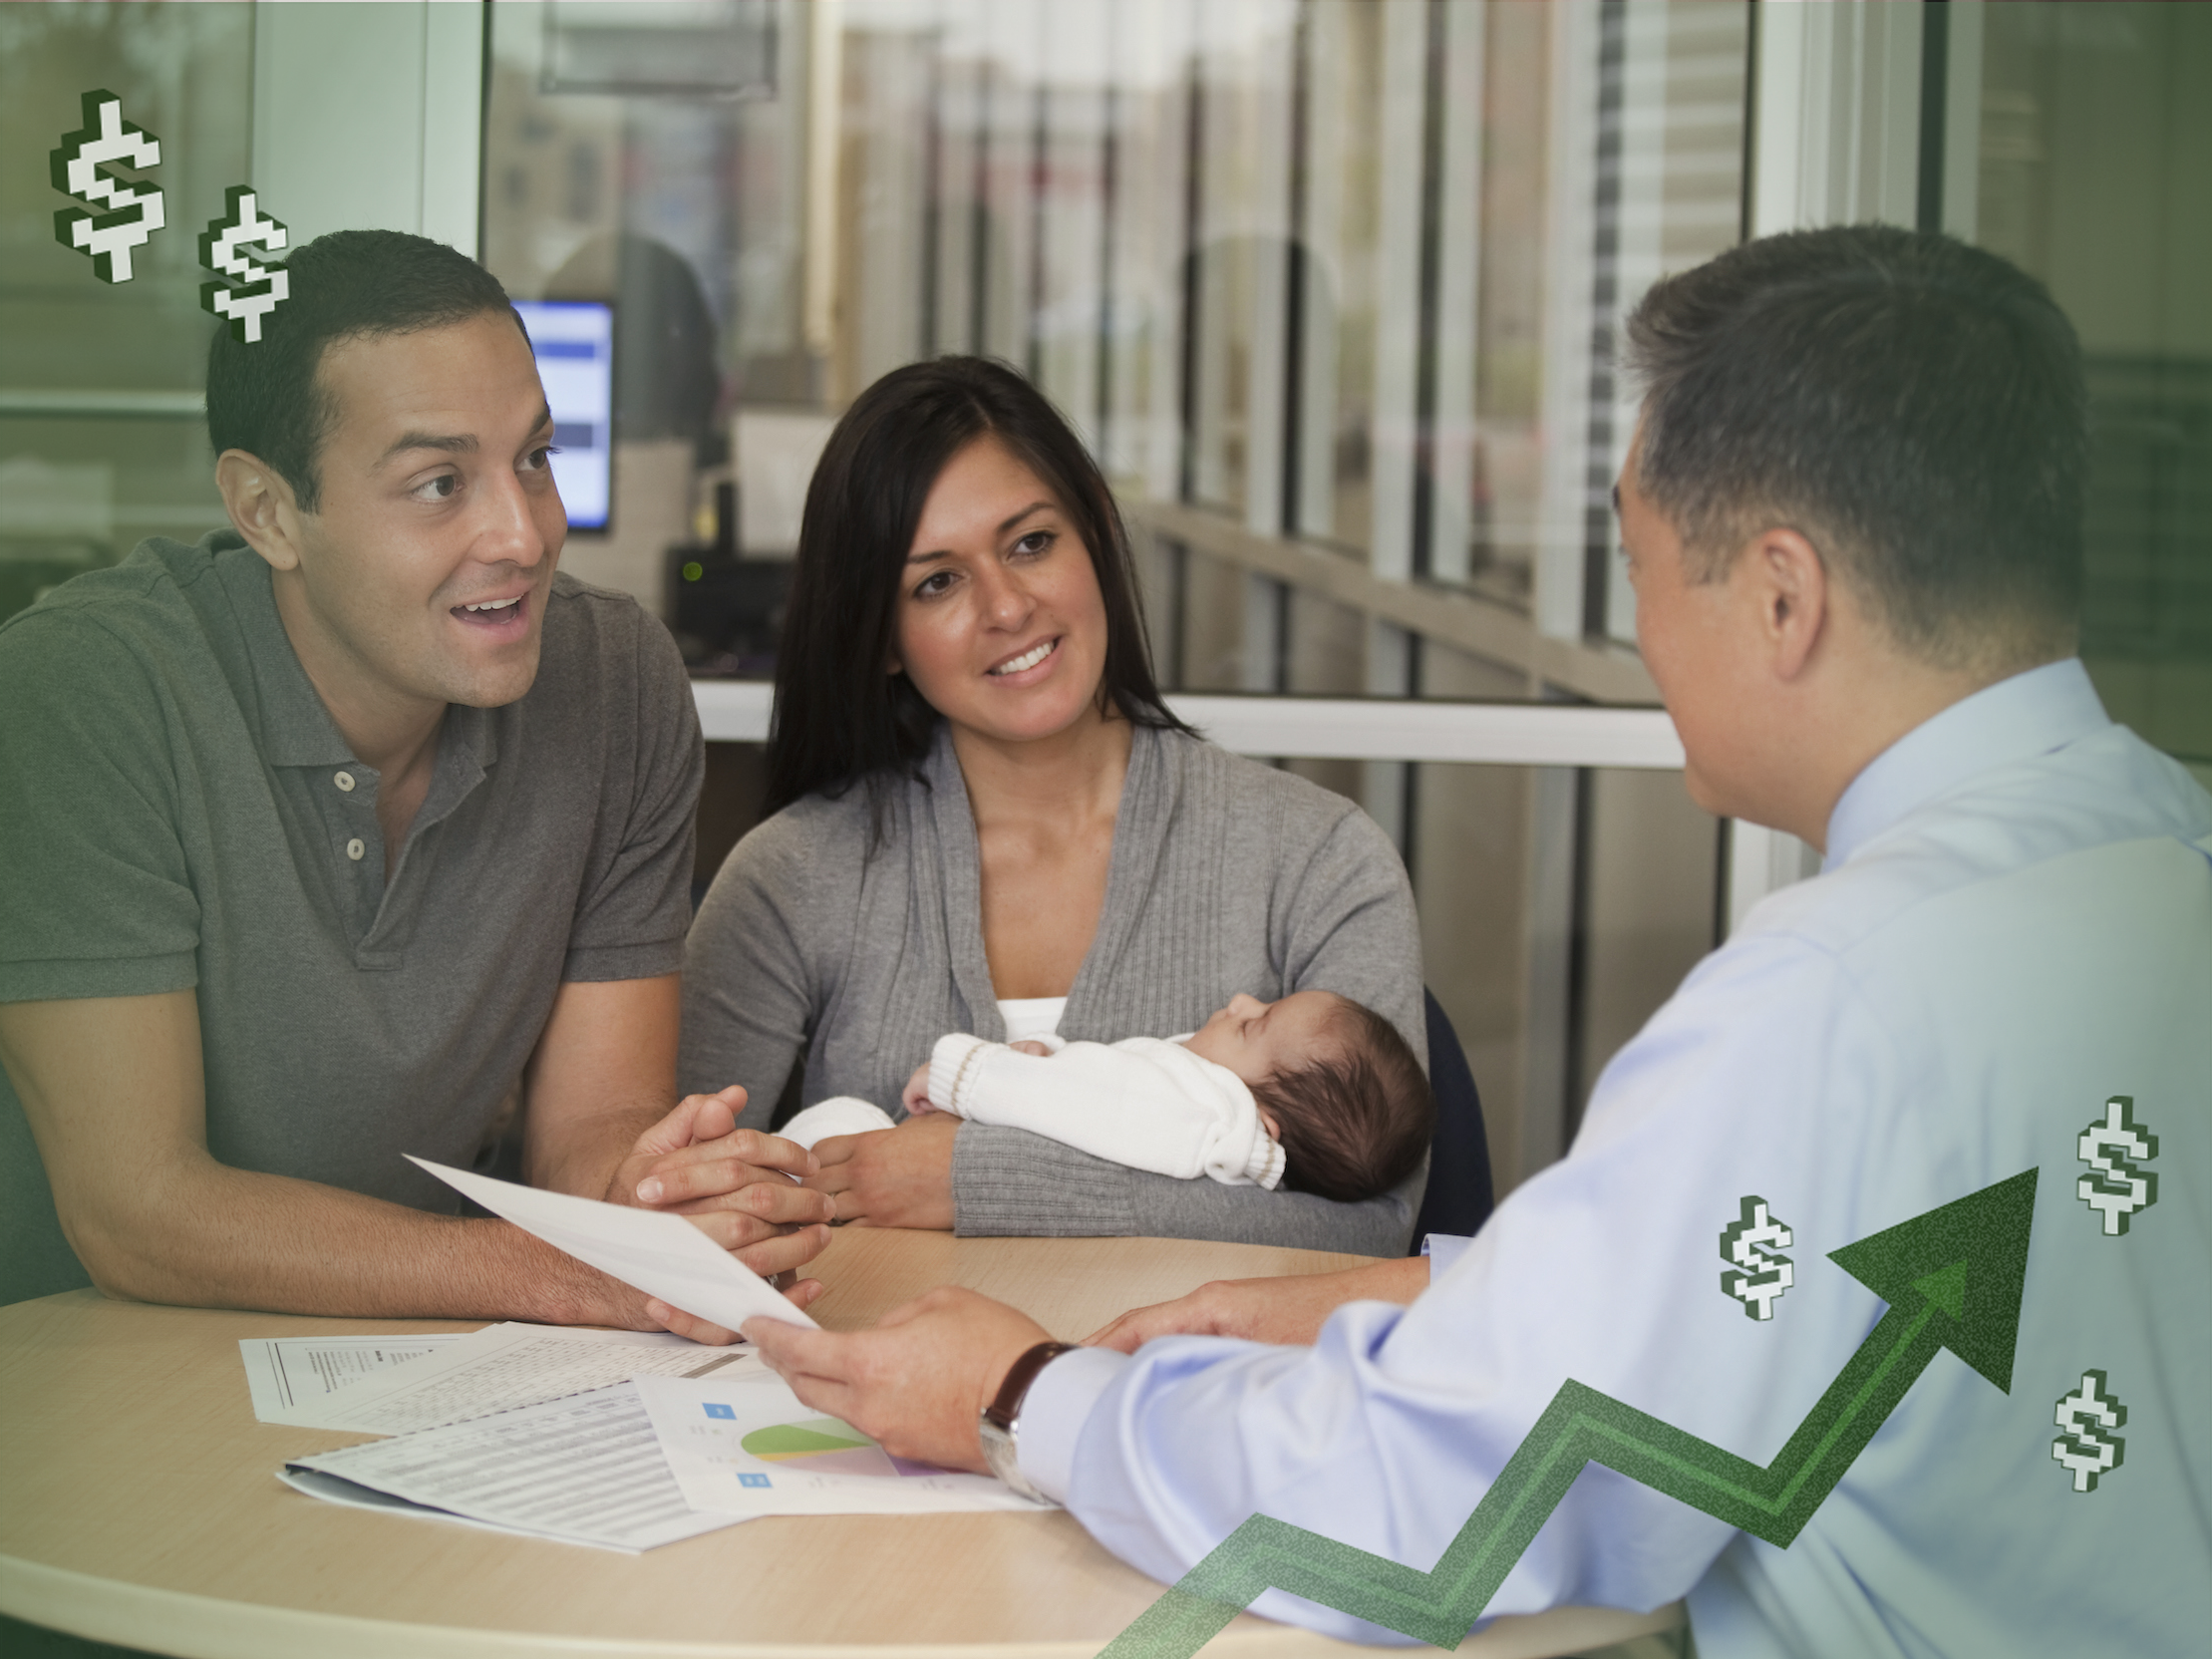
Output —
(354, 849)
(344, 780)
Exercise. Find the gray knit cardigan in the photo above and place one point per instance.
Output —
(1226, 877)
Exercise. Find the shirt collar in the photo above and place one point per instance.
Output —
(296, 729)
(2029, 714)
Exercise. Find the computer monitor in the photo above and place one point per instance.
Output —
(574, 343)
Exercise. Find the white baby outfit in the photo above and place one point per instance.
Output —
(1147, 1103)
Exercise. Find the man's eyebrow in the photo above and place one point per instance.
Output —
(455, 444)
(463, 444)
(1004, 524)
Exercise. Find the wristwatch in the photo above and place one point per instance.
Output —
(1002, 1418)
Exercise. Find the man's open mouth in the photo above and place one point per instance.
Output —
(494, 614)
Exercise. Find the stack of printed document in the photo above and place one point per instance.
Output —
(552, 1433)
(521, 1428)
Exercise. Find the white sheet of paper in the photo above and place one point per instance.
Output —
(583, 1469)
(799, 1461)
(288, 1375)
(504, 1367)
(661, 1254)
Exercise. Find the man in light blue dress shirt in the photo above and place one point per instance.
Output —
(1852, 516)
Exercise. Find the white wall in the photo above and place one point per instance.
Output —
(369, 117)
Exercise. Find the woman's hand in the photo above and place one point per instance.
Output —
(1289, 1310)
(896, 1178)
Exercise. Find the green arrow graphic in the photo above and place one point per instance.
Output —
(1952, 1279)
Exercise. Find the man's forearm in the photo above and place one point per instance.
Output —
(583, 1154)
(602, 1074)
(214, 1236)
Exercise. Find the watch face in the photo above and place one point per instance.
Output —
(998, 1453)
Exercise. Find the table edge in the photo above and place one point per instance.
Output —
(194, 1626)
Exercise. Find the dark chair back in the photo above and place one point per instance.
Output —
(1458, 1196)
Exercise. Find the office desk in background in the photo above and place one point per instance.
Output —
(141, 1508)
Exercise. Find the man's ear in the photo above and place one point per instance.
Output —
(261, 505)
(1789, 582)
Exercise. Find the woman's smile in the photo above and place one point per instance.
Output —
(1019, 667)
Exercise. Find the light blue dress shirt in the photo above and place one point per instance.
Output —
(2015, 923)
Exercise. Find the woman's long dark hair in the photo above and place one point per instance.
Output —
(840, 720)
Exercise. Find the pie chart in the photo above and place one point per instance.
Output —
(826, 1446)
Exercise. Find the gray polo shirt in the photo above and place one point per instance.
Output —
(177, 809)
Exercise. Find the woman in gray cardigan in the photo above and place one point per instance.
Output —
(983, 814)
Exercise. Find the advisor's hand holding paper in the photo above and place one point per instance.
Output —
(664, 1256)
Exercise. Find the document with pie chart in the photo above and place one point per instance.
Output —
(747, 1446)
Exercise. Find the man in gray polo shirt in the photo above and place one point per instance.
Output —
(322, 837)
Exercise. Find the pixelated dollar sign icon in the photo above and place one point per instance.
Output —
(1758, 1275)
(258, 289)
(2088, 1446)
(2115, 1187)
(129, 212)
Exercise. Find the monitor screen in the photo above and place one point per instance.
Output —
(574, 343)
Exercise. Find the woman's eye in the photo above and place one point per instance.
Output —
(1036, 541)
(540, 459)
(936, 582)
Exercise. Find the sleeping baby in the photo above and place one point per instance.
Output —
(1312, 1092)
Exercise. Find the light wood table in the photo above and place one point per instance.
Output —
(139, 1504)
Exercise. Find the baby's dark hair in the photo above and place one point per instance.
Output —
(1357, 1121)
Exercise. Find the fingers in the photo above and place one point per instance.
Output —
(692, 1114)
(729, 1161)
(737, 1232)
(1199, 1314)
(805, 1294)
(793, 1351)
(717, 1115)
(745, 1145)
(775, 1202)
(684, 1324)
(1125, 1335)
(751, 1212)
(787, 1250)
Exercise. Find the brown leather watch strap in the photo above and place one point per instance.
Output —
(1003, 1410)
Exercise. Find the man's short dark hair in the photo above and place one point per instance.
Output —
(1911, 405)
(264, 397)
(1354, 1121)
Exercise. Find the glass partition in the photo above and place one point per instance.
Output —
(101, 438)
(2095, 170)
(1332, 287)
(1327, 285)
